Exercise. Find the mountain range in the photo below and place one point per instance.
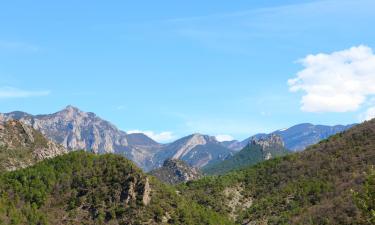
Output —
(331, 182)
(295, 138)
(75, 130)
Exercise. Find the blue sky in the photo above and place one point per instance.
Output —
(173, 68)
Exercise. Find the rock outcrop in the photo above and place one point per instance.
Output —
(22, 146)
(176, 171)
(270, 145)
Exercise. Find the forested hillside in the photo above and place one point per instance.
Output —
(311, 187)
(82, 188)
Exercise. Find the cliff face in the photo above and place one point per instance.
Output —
(22, 146)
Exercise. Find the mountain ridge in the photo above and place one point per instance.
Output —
(297, 137)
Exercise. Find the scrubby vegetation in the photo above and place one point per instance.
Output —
(365, 198)
(312, 187)
(82, 188)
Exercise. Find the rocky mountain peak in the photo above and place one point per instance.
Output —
(72, 113)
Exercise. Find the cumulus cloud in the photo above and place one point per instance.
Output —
(164, 136)
(224, 137)
(368, 115)
(338, 82)
(11, 92)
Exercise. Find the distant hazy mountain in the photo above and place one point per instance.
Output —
(22, 146)
(258, 150)
(77, 130)
(176, 171)
(197, 150)
(298, 137)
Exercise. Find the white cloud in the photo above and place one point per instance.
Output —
(368, 115)
(338, 82)
(11, 92)
(164, 136)
(224, 137)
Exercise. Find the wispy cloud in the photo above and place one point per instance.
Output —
(18, 46)
(11, 92)
(233, 31)
(164, 136)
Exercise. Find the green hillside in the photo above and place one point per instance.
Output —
(82, 188)
(312, 187)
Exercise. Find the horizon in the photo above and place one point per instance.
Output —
(218, 138)
(171, 69)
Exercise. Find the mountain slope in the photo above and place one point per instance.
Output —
(197, 150)
(296, 138)
(83, 188)
(256, 151)
(299, 137)
(77, 130)
(22, 146)
(176, 171)
(310, 187)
